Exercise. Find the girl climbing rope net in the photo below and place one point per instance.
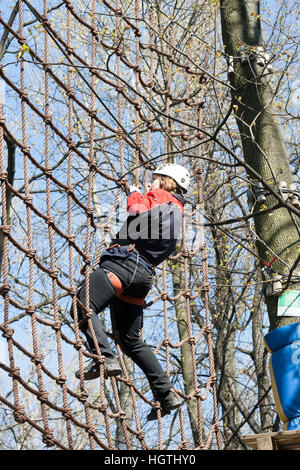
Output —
(125, 276)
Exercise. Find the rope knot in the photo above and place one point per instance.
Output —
(83, 396)
(19, 414)
(31, 253)
(43, 396)
(48, 439)
(48, 120)
(70, 189)
(89, 314)
(156, 405)
(78, 344)
(121, 415)
(30, 309)
(14, 372)
(71, 239)
(197, 393)
(5, 228)
(192, 340)
(101, 360)
(37, 359)
(70, 90)
(8, 332)
(48, 172)
(50, 220)
(88, 259)
(91, 429)
(68, 412)
(93, 114)
(213, 379)
(140, 435)
(57, 325)
(187, 293)
(4, 289)
(207, 330)
(71, 144)
(61, 380)
(120, 88)
(103, 407)
(24, 96)
(45, 20)
(93, 165)
(26, 148)
(184, 445)
(28, 200)
(54, 273)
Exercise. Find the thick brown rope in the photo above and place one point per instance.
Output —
(140, 96)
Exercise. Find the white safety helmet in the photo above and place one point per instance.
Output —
(175, 171)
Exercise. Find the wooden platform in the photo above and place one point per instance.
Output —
(285, 440)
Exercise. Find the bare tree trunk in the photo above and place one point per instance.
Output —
(259, 354)
(263, 144)
(186, 353)
(126, 406)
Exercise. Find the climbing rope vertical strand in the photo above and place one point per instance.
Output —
(166, 151)
(121, 150)
(166, 335)
(87, 258)
(5, 287)
(43, 395)
(139, 432)
(71, 236)
(184, 443)
(192, 342)
(164, 266)
(203, 249)
(191, 338)
(138, 99)
(186, 106)
(168, 91)
(57, 323)
(150, 92)
(119, 136)
(119, 97)
(54, 271)
(93, 113)
(121, 414)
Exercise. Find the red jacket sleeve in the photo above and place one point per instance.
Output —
(137, 203)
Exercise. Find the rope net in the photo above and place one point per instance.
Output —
(96, 93)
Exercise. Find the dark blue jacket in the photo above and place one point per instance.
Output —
(153, 224)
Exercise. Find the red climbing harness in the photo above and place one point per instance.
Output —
(117, 284)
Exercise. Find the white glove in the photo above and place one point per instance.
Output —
(133, 188)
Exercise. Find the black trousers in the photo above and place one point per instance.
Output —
(127, 319)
